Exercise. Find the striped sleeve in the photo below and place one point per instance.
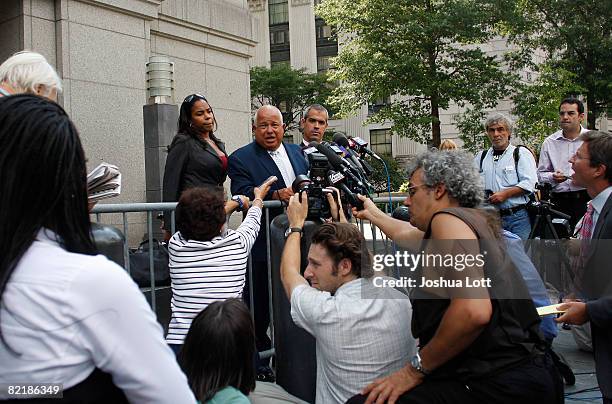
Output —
(203, 272)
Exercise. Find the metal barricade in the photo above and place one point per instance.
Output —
(386, 204)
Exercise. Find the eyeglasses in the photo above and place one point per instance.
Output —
(190, 98)
(412, 190)
(579, 157)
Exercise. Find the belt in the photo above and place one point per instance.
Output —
(512, 210)
(571, 194)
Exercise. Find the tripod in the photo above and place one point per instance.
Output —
(544, 229)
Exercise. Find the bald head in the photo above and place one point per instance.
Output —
(268, 109)
(269, 128)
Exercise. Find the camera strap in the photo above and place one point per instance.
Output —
(515, 155)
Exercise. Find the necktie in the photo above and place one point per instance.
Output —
(587, 223)
(584, 235)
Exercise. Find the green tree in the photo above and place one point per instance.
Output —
(536, 106)
(426, 52)
(288, 89)
(575, 36)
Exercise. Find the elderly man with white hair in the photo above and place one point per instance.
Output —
(29, 72)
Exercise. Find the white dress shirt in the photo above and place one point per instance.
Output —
(554, 156)
(281, 159)
(68, 313)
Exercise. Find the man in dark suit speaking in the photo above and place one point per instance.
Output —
(592, 166)
(248, 167)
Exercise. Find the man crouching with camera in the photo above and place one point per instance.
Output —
(357, 340)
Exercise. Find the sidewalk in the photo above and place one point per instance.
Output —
(583, 365)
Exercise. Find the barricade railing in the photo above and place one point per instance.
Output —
(386, 204)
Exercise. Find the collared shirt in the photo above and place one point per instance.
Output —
(4, 93)
(69, 313)
(281, 159)
(501, 174)
(554, 156)
(357, 339)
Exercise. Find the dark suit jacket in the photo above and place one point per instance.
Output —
(251, 165)
(599, 288)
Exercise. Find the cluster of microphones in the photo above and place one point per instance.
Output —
(341, 164)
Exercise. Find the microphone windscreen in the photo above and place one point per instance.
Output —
(340, 139)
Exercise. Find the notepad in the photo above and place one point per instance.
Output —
(548, 310)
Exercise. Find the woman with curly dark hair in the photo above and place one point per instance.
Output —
(207, 261)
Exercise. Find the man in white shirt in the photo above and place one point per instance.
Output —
(508, 176)
(362, 332)
(554, 166)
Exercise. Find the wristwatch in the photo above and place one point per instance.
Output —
(415, 362)
(238, 200)
(293, 230)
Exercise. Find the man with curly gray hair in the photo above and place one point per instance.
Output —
(29, 72)
(509, 175)
(474, 346)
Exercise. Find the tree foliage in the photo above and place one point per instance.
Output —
(537, 104)
(378, 179)
(425, 52)
(289, 90)
(575, 36)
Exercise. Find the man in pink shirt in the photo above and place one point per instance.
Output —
(554, 167)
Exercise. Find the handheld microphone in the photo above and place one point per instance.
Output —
(336, 180)
(362, 146)
(344, 145)
(336, 161)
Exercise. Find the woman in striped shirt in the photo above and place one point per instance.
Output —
(207, 261)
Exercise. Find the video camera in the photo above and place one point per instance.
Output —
(545, 191)
(329, 169)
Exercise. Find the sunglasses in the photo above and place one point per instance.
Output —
(191, 97)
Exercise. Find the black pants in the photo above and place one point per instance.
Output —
(535, 381)
(571, 203)
(261, 307)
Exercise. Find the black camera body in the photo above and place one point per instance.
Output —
(545, 189)
(318, 207)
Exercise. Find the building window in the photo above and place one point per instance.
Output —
(380, 141)
(323, 63)
(279, 37)
(278, 11)
(378, 104)
(323, 31)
